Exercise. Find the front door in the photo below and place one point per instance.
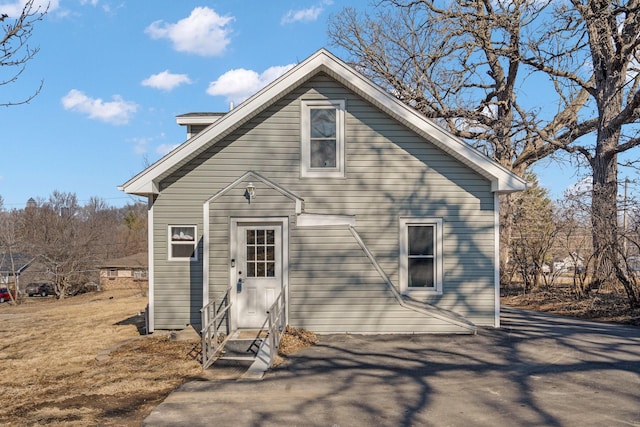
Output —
(259, 271)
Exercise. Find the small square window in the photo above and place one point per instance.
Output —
(139, 274)
(183, 242)
(323, 148)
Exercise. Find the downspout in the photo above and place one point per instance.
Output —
(150, 267)
(429, 310)
(205, 254)
(496, 237)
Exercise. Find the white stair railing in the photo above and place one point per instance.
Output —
(214, 316)
(276, 323)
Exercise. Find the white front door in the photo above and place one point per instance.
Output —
(259, 271)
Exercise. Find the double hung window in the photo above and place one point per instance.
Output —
(421, 255)
(323, 138)
(183, 243)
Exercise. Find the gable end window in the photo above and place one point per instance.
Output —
(183, 243)
(323, 153)
(421, 255)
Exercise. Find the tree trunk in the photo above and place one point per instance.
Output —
(604, 212)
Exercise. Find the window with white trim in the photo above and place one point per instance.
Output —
(323, 153)
(183, 244)
(139, 274)
(421, 255)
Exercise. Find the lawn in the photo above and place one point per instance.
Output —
(82, 361)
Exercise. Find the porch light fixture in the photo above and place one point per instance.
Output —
(250, 194)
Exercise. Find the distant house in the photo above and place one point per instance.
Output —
(362, 214)
(12, 266)
(126, 272)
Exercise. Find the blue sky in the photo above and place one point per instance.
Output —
(117, 73)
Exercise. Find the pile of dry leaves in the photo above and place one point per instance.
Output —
(605, 304)
(296, 339)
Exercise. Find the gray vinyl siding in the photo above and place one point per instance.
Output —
(390, 173)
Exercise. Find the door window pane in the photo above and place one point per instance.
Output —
(271, 269)
(260, 253)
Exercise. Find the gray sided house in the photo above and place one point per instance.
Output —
(364, 215)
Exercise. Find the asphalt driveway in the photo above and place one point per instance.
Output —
(537, 370)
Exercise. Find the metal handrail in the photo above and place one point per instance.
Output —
(276, 322)
(211, 315)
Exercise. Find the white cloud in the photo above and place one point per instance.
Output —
(163, 149)
(204, 32)
(239, 84)
(166, 81)
(302, 15)
(140, 144)
(117, 112)
(15, 9)
(309, 14)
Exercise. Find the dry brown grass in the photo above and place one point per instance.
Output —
(82, 361)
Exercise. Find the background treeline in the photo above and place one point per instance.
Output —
(551, 244)
(67, 240)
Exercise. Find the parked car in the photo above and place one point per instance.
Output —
(42, 289)
(4, 295)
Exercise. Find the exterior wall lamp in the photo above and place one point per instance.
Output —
(250, 192)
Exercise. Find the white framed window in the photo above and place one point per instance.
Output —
(112, 272)
(139, 274)
(421, 255)
(183, 245)
(322, 127)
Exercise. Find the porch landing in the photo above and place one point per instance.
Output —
(247, 345)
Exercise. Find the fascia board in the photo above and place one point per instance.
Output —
(205, 119)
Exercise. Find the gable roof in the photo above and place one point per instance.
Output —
(139, 260)
(19, 261)
(146, 182)
(257, 177)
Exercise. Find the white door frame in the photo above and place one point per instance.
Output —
(233, 266)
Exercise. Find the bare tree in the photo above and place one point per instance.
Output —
(594, 46)
(56, 232)
(574, 243)
(534, 235)
(9, 243)
(461, 65)
(15, 51)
